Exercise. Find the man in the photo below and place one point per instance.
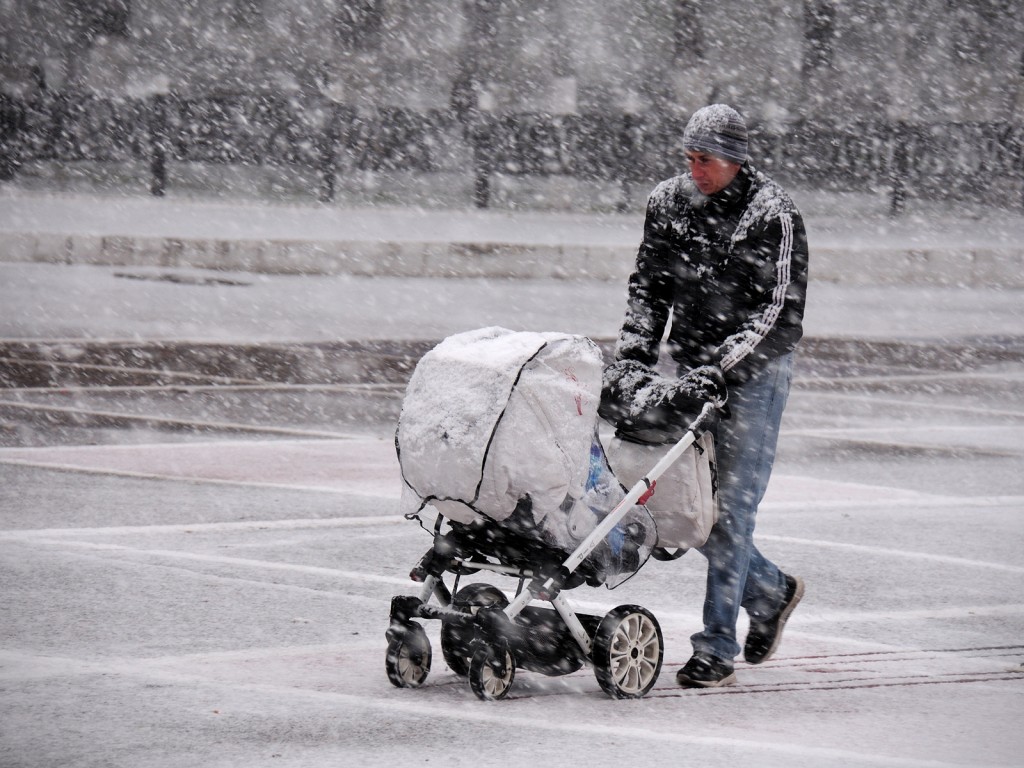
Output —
(724, 261)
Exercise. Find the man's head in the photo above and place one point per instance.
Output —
(715, 141)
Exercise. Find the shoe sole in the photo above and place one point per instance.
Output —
(688, 682)
(783, 618)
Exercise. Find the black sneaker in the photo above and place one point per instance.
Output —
(705, 671)
(764, 636)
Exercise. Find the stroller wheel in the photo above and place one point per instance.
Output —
(456, 637)
(491, 671)
(408, 658)
(628, 650)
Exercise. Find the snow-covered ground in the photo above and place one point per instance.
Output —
(54, 301)
(222, 601)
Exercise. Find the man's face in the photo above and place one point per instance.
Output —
(711, 174)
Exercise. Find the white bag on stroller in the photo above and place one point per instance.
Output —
(685, 502)
(503, 424)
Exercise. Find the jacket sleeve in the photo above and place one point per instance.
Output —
(650, 289)
(775, 321)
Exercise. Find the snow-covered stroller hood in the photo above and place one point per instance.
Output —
(494, 417)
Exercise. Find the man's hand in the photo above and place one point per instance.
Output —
(706, 383)
(636, 399)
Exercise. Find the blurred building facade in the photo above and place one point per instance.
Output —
(778, 61)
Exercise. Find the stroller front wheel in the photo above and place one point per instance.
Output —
(628, 651)
(408, 658)
(491, 671)
(457, 637)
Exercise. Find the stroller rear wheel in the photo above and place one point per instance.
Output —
(457, 638)
(408, 658)
(628, 650)
(491, 671)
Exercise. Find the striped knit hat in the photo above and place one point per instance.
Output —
(717, 130)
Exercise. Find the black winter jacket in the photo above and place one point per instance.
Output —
(730, 270)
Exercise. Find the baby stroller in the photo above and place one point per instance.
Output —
(498, 441)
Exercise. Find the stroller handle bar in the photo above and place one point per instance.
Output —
(643, 489)
(639, 493)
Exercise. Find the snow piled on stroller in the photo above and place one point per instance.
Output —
(500, 428)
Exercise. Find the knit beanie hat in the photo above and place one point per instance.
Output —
(717, 130)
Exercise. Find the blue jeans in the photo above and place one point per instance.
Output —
(738, 574)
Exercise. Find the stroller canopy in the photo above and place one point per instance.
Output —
(492, 415)
(502, 425)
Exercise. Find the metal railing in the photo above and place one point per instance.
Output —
(331, 139)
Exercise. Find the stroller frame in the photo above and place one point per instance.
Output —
(485, 637)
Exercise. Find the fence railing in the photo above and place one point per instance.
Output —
(331, 139)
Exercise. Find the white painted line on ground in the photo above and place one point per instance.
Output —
(186, 528)
(366, 466)
(920, 501)
(192, 480)
(929, 376)
(1000, 440)
(266, 565)
(930, 405)
(889, 552)
(164, 421)
(921, 614)
(355, 387)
